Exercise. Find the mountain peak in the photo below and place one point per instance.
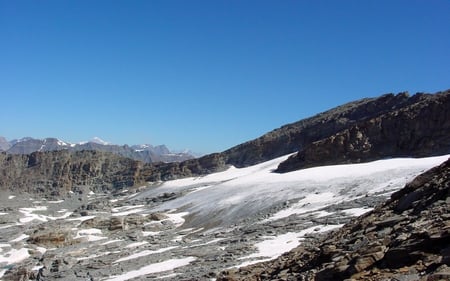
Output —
(99, 141)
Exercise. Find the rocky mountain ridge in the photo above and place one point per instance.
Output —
(406, 238)
(146, 153)
(364, 130)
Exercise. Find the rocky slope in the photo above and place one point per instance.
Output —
(363, 130)
(407, 238)
(420, 127)
(59, 172)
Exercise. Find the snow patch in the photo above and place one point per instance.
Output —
(153, 268)
(20, 238)
(91, 234)
(136, 244)
(177, 218)
(357, 211)
(275, 246)
(14, 256)
(144, 253)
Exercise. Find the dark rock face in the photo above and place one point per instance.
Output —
(296, 136)
(419, 128)
(58, 172)
(407, 238)
(364, 130)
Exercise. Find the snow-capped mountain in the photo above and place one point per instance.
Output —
(146, 153)
(98, 140)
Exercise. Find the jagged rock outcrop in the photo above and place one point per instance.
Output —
(58, 172)
(419, 128)
(407, 238)
(363, 130)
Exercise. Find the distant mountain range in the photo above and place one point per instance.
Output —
(146, 153)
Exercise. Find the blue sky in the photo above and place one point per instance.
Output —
(207, 75)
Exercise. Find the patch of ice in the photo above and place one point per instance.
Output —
(81, 219)
(310, 203)
(2, 214)
(6, 226)
(126, 210)
(275, 246)
(125, 213)
(93, 256)
(55, 202)
(111, 241)
(168, 276)
(11, 197)
(177, 218)
(41, 250)
(207, 243)
(144, 253)
(20, 238)
(136, 244)
(91, 234)
(321, 214)
(2, 272)
(357, 211)
(37, 267)
(14, 256)
(29, 216)
(150, 233)
(153, 268)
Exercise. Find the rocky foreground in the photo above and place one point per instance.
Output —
(406, 238)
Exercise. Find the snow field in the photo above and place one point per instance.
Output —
(236, 193)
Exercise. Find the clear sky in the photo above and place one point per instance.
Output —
(207, 75)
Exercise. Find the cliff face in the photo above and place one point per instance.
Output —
(58, 172)
(419, 128)
(407, 238)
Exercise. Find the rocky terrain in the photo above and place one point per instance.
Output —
(145, 153)
(57, 173)
(195, 228)
(406, 238)
(419, 128)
